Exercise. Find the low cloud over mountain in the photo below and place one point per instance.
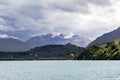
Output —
(26, 18)
(57, 39)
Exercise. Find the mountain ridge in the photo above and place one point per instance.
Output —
(13, 45)
(107, 37)
(58, 39)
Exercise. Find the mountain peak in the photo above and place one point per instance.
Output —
(57, 39)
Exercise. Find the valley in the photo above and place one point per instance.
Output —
(49, 47)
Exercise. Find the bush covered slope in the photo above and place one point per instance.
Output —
(108, 51)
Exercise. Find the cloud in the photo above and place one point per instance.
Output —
(6, 36)
(26, 18)
(76, 6)
(70, 35)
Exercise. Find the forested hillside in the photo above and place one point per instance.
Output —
(48, 52)
(108, 51)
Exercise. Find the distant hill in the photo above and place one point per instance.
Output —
(48, 52)
(67, 51)
(58, 39)
(108, 37)
(107, 51)
(13, 45)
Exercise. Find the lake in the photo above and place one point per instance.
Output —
(59, 70)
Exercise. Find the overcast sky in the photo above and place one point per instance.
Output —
(89, 18)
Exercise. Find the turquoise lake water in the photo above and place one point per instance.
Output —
(59, 70)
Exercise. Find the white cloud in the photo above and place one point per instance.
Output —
(6, 36)
(70, 35)
(3, 36)
(90, 18)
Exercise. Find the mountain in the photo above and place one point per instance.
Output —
(48, 52)
(80, 41)
(67, 51)
(108, 37)
(12, 45)
(58, 39)
(107, 51)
